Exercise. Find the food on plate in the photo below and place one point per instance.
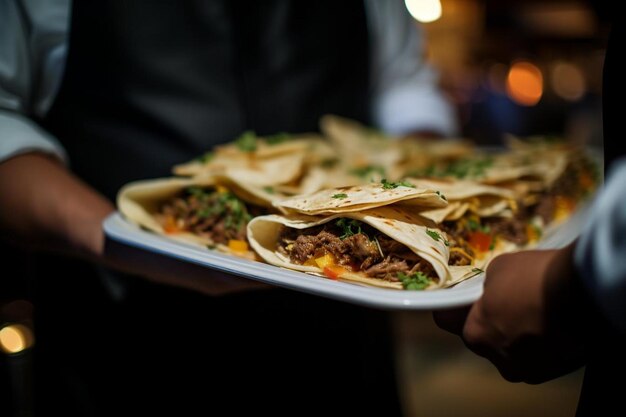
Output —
(386, 247)
(362, 206)
(269, 160)
(362, 197)
(213, 212)
(370, 154)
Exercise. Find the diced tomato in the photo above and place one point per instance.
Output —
(170, 226)
(480, 241)
(334, 271)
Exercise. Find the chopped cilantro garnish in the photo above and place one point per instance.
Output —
(247, 141)
(198, 192)
(367, 171)
(436, 236)
(474, 226)
(269, 189)
(329, 163)
(417, 281)
(347, 225)
(235, 210)
(476, 271)
(388, 185)
(224, 204)
(277, 138)
(340, 196)
(492, 245)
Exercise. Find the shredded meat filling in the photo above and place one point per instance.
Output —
(218, 216)
(368, 251)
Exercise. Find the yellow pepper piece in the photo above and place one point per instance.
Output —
(326, 260)
(221, 189)
(238, 245)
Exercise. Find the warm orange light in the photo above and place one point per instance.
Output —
(524, 83)
(14, 338)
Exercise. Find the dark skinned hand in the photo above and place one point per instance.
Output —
(533, 319)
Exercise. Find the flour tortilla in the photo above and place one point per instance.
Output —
(405, 227)
(464, 195)
(358, 198)
(268, 163)
(140, 201)
(359, 146)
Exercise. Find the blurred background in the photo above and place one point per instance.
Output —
(523, 67)
(519, 66)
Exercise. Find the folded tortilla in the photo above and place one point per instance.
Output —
(361, 197)
(141, 202)
(464, 195)
(413, 231)
(358, 146)
(263, 163)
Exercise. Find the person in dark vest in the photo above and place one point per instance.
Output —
(546, 313)
(96, 94)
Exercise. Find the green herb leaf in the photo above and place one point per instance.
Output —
(277, 138)
(367, 171)
(436, 236)
(476, 271)
(474, 226)
(388, 185)
(349, 227)
(198, 192)
(417, 281)
(340, 196)
(247, 141)
(329, 163)
(269, 189)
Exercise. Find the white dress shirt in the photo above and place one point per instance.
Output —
(33, 48)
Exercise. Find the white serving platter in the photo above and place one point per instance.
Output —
(465, 293)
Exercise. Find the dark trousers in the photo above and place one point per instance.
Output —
(166, 350)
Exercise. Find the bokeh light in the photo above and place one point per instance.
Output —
(568, 81)
(425, 11)
(524, 83)
(14, 338)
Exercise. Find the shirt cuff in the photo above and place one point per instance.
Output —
(600, 250)
(19, 135)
